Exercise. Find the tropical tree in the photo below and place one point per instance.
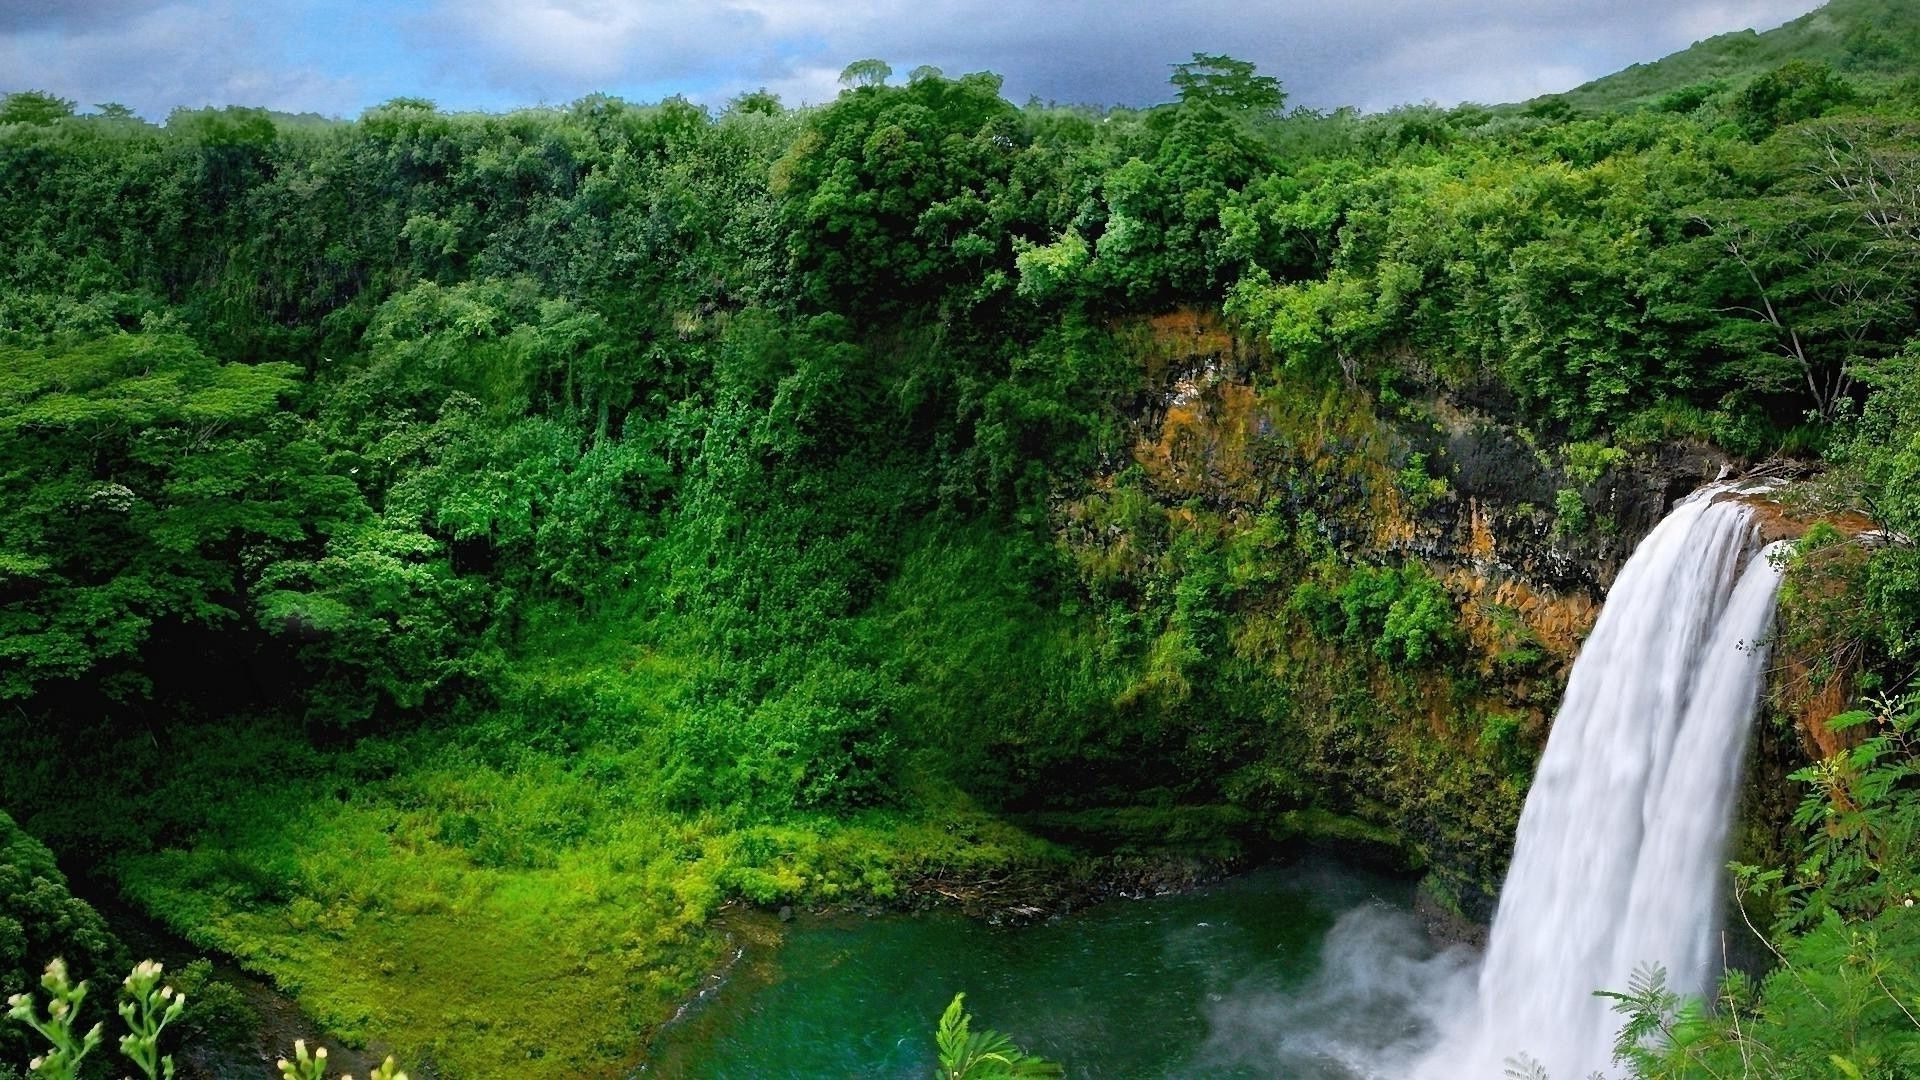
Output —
(1226, 83)
(34, 107)
(865, 73)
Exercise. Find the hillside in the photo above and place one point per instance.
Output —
(1870, 41)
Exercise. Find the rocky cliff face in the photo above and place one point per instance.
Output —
(1484, 505)
(1315, 484)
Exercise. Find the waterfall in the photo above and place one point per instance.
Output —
(1621, 843)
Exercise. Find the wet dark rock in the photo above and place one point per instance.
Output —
(1444, 924)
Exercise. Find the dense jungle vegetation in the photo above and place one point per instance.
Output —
(446, 558)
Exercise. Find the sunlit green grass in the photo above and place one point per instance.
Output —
(513, 897)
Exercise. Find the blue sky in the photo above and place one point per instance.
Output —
(339, 56)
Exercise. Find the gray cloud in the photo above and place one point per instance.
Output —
(1371, 53)
(491, 53)
(156, 56)
(20, 16)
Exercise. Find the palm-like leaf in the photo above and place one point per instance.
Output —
(984, 1055)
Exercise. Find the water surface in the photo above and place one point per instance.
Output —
(1312, 970)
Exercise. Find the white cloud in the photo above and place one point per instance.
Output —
(561, 49)
(1696, 22)
(795, 86)
(169, 55)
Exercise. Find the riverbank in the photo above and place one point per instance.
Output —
(403, 891)
(533, 916)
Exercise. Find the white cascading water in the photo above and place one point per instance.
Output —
(1618, 861)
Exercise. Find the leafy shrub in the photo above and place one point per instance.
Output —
(1570, 515)
(1401, 614)
(827, 742)
(1499, 740)
(1421, 488)
(1794, 91)
(39, 917)
(1587, 462)
(217, 1012)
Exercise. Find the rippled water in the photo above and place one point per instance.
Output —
(1308, 970)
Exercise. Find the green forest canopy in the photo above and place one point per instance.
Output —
(476, 524)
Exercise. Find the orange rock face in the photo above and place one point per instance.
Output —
(1219, 436)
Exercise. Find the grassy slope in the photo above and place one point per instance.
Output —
(1863, 39)
(516, 895)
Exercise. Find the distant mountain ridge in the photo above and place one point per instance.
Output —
(1865, 40)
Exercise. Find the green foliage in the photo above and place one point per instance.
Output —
(1587, 462)
(218, 1012)
(145, 469)
(33, 107)
(1570, 515)
(865, 73)
(1862, 817)
(1225, 83)
(1880, 469)
(1419, 485)
(1499, 739)
(39, 917)
(1659, 1024)
(1795, 91)
(981, 1055)
(1403, 615)
(897, 194)
(828, 742)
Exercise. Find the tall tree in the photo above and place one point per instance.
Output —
(33, 107)
(1226, 83)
